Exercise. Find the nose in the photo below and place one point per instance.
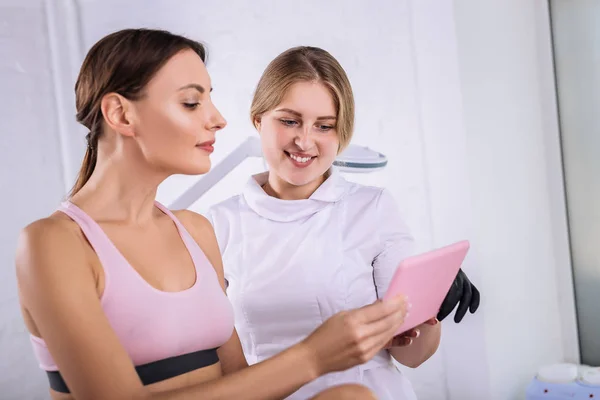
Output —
(216, 121)
(304, 140)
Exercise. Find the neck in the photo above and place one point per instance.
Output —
(277, 187)
(120, 190)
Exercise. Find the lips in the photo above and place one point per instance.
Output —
(207, 146)
(300, 160)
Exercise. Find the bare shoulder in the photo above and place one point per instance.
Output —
(44, 245)
(200, 228)
(55, 230)
(194, 222)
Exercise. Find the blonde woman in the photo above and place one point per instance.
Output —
(301, 243)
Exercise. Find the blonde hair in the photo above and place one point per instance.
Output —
(305, 63)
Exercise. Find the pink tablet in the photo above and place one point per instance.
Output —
(425, 280)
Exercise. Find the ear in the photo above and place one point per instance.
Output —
(257, 123)
(117, 112)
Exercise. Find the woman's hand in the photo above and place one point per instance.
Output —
(406, 338)
(353, 337)
(414, 347)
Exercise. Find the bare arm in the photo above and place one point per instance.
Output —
(58, 290)
(232, 356)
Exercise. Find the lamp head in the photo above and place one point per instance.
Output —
(359, 159)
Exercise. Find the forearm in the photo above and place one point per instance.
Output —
(275, 378)
(421, 349)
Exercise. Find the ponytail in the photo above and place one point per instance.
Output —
(88, 164)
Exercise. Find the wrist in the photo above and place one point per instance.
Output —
(308, 360)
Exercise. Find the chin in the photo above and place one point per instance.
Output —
(301, 179)
(195, 169)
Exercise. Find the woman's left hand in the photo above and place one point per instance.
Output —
(406, 338)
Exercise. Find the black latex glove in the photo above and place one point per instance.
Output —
(462, 291)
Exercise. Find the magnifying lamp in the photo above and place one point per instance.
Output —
(358, 159)
(354, 159)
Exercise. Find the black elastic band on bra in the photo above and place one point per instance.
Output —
(155, 371)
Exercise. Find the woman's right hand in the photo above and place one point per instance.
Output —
(353, 337)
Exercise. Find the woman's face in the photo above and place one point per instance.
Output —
(299, 137)
(176, 121)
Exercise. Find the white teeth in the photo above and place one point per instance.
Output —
(300, 159)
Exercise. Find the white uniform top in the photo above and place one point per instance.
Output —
(292, 264)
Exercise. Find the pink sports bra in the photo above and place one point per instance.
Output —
(164, 333)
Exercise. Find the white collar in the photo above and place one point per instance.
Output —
(331, 190)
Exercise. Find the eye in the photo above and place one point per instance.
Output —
(191, 106)
(325, 128)
(288, 122)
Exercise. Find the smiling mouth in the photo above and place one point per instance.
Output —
(300, 159)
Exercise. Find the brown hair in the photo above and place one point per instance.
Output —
(306, 63)
(122, 62)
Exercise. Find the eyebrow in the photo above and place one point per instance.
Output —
(199, 88)
(296, 113)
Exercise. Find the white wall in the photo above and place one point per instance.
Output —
(516, 182)
(410, 63)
